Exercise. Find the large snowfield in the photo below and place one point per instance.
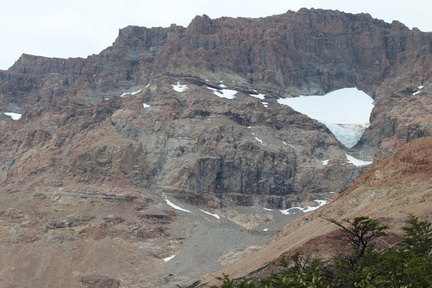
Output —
(345, 112)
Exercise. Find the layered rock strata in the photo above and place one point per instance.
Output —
(206, 138)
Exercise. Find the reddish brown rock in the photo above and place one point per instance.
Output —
(389, 192)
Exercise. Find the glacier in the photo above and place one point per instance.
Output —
(345, 112)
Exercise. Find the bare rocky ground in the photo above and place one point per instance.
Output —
(66, 239)
(209, 243)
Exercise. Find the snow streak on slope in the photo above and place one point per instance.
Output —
(345, 112)
(175, 206)
(211, 214)
(130, 93)
(306, 209)
(166, 259)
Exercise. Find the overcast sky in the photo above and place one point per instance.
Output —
(78, 28)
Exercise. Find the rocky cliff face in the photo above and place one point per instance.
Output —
(234, 151)
(307, 52)
(389, 192)
(192, 112)
(304, 52)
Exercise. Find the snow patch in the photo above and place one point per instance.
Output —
(419, 90)
(211, 214)
(14, 116)
(131, 93)
(305, 209)
(345, 112)
(175, 206)
(259, 96)
(312, 208)
(259, 140)
(224, 93)
(179, 88)
(146, 105)
(166, 259)
(357, 162)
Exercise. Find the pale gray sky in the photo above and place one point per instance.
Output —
(78, 28)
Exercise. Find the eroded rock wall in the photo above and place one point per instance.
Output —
(195, 142)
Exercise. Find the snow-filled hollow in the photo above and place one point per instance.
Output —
(345, 112)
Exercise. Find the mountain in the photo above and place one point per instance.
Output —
(108, 148)
(389, 192)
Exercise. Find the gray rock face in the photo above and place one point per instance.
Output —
(76, 126)
(310, 51)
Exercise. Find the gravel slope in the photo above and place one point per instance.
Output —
(208, 243)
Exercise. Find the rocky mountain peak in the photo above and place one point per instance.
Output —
(142, 38)
(201, 25)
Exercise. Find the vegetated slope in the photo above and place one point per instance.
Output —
(389, 192)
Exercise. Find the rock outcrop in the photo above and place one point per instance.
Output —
(230, 151)
(389, 192)
(307, 52)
